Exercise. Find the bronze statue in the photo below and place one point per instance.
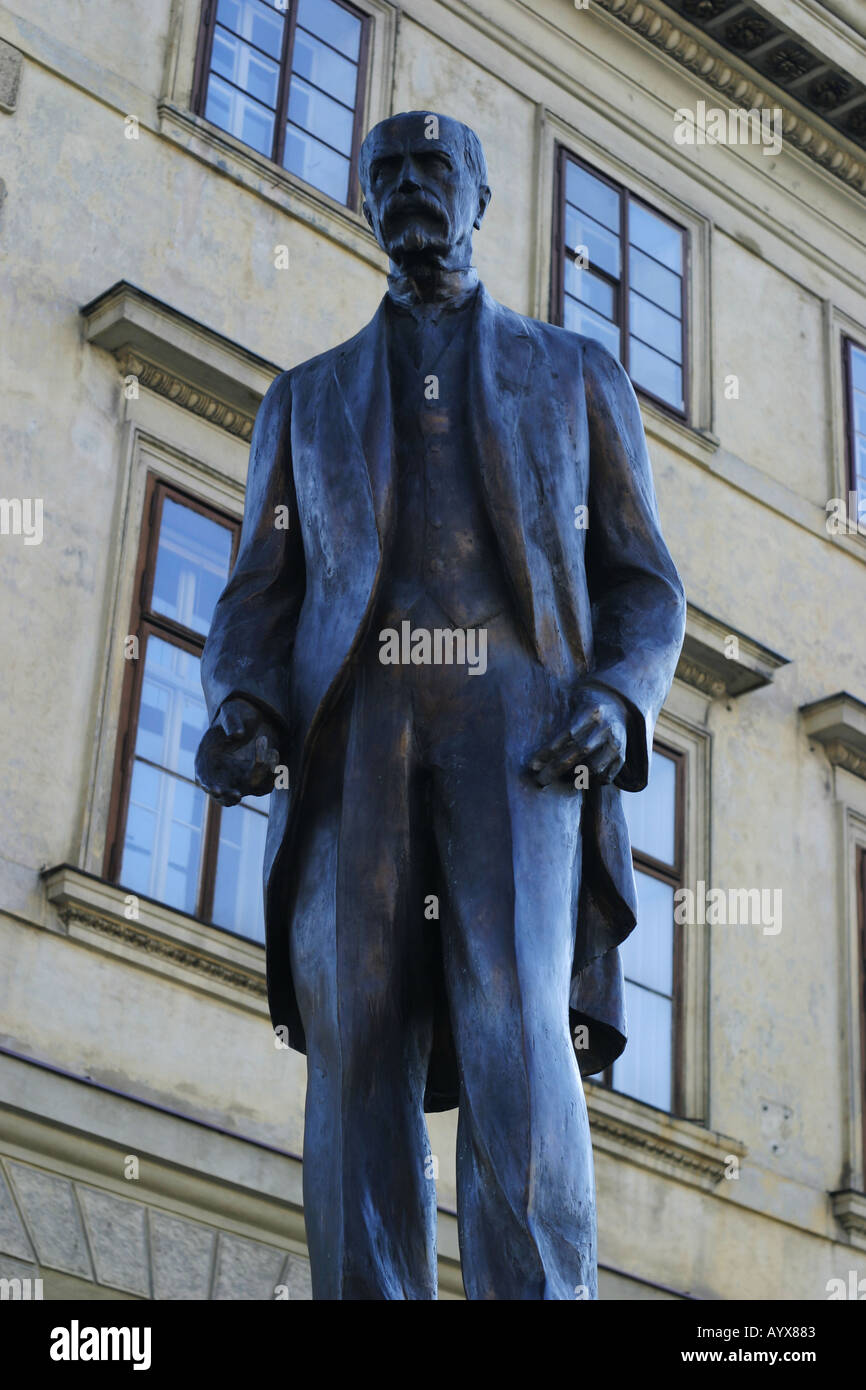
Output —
(452, 621)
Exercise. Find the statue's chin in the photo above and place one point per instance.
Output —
(417, 246)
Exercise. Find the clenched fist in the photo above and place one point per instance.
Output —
(238, 755)
(596, 739)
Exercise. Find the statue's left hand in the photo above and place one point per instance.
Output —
(595, 739)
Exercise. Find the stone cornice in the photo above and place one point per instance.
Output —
(721, 662)
(179, 358)
(680, 1149)
(839, 723)
(722, 74)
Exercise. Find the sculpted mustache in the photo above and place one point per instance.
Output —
(413, 205)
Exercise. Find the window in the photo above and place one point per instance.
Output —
(170, 841)
(648, 1069)
(619, 276)
(855, 377)
(287, 78)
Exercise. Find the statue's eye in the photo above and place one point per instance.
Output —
(383, 167)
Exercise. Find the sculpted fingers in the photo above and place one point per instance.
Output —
(606, 761)
(232, 720)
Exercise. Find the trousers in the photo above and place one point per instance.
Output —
(426, 852)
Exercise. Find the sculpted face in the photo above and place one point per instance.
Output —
(422, 198)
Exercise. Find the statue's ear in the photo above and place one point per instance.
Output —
(484, 196)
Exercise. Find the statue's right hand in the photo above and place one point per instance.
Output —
(238, 755)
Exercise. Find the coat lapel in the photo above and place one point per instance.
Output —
(364, 388)
(500, 360)
(501, 355)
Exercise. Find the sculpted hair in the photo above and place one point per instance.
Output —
(473, 154)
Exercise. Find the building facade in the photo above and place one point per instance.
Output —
(179, 220)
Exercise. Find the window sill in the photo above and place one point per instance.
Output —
(698, 445)
(158, 939)
(625, 1128)
(268, 180)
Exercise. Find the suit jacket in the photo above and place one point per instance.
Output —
(556, 426)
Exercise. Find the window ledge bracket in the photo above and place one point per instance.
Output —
(722, 662)
(839, 723)
(178, 357)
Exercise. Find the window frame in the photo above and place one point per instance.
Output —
(202, 70)
(674, 876)
(564, 155)
(145, 622)
(849, 344)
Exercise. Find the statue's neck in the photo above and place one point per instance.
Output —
(432, 285)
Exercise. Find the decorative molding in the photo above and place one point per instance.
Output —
(158, 937)
(839, 723)
(721, 662)
(700, 678)
(179, 358)
(722, 74)
(182, 393)
(158, 946)
(680, 1149)
(849, 1209)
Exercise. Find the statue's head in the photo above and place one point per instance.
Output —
(424, 178)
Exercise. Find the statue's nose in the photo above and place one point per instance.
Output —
(408, 177)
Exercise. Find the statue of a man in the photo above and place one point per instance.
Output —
(452, 621)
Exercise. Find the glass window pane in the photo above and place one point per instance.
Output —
(316, 164)
(255, 21)
(172, 714)
(648, 954)
(163, 841)
(238, 891)
(192, 565)
(858, 367)
(656, 327)
(582, 320)
(602, 245)
(325, 68)
(315, 112)
(656, 373)
(332, 23)
(859, 410)
(651, 814)
(654, 282)
(240, 115)
(245, 67)
(585, 191)
(655, 236)
(644, 1070)
(594, 291)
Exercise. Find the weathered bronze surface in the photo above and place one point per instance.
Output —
(451, 625)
